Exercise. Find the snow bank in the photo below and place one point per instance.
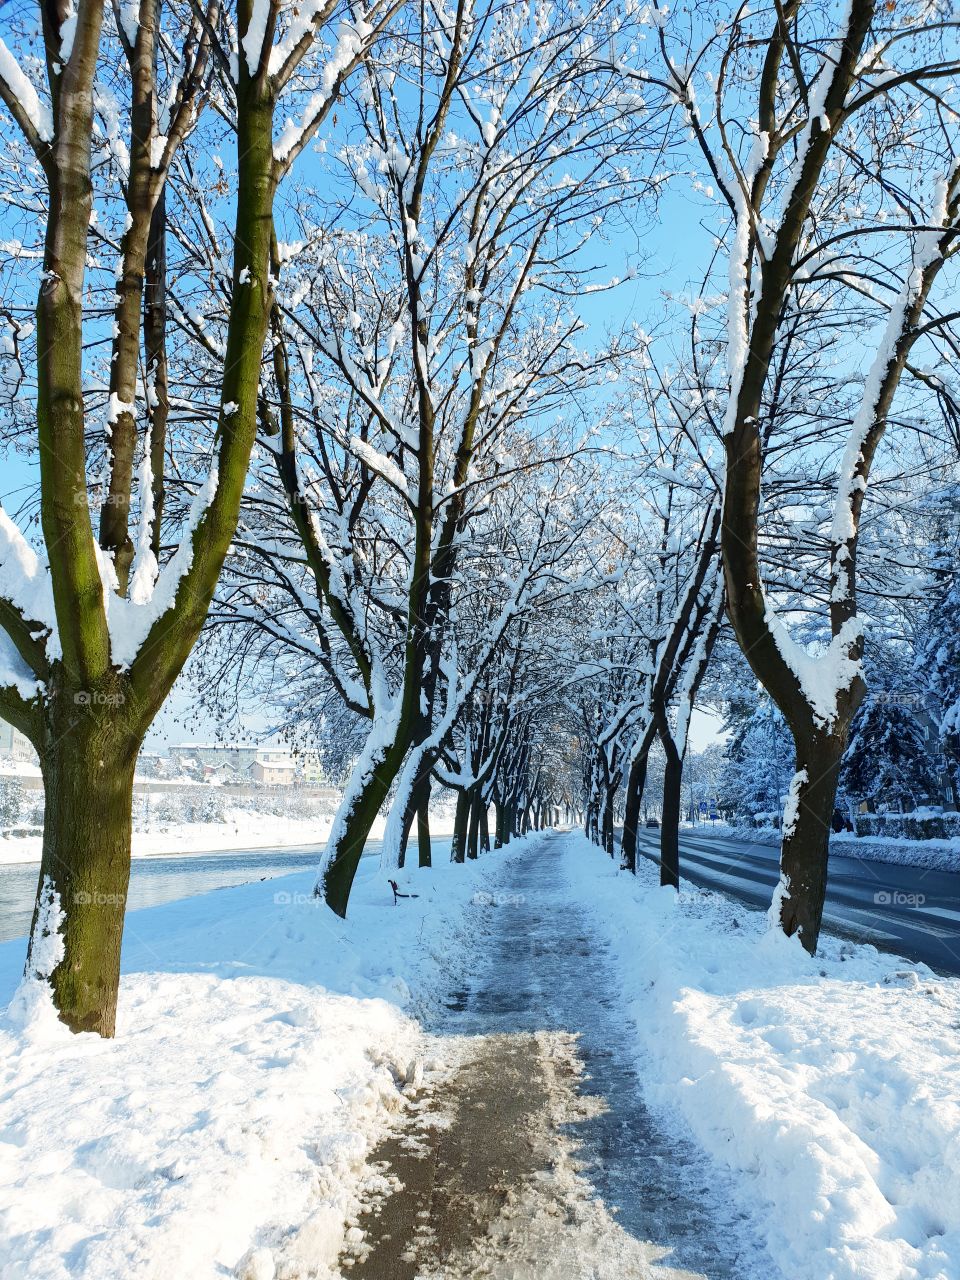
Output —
(262, 1044)
(832, 1087)
(934, 854)
(242, 830)
(182, 839)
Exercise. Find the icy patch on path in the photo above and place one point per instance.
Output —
(488, 1177)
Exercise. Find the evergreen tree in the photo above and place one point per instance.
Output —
(889, 762)
(12, 802)
(939, 663)
(759, 757)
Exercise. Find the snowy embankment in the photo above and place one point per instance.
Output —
(241, 831)
(933, 854)
(262, 1044)
(830, 1086)
(244, 830)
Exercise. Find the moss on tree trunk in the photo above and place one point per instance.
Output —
(88, 795)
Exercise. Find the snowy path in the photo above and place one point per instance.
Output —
(535, 1156)
(277, 1072)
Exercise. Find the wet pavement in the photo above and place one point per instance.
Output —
(617, 1189)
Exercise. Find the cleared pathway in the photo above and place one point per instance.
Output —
(530, 1152)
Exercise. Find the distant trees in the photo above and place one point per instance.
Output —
(16, 806)
(938, 669)
(758, 759)
(652, 643)
(702, 783)
(892, 762)
(422, 418)
(498, 755)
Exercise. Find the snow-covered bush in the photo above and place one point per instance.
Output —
(12, 802)
(921, 824)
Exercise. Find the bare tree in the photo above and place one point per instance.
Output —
(842, 184)
(96, 631)
(433, 322)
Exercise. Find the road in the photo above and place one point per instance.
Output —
(910, 910)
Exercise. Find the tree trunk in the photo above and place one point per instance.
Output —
(458, 847)
(473, 831)
(345, 854)
(484, 825)
(670, 817)
(500, 836)
(409, 813)
(805, 849)
(590, 820)
(606, 823)
(88, 725)
(88, 797)
(352, 826)
(636, 782)
(424, 853)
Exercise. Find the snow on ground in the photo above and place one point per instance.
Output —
(261, 1047)
(935, 855)
(830, 1086)
(181, 839)
(242, 830)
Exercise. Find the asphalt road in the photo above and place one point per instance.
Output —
(910, 910)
